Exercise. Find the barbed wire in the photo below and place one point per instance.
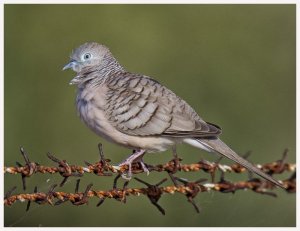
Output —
(153, 192)
(104, 168)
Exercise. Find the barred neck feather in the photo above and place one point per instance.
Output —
(97, 74)
(109, 66)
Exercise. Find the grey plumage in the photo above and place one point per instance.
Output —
(137, 112)
(140, 106)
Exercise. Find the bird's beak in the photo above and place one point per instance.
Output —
(71, 64)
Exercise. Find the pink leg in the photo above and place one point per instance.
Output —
(137, 156)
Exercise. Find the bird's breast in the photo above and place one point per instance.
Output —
(91, 109)
(90, 104)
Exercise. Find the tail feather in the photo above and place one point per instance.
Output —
(220, 147)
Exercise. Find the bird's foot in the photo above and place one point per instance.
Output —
(136, 157)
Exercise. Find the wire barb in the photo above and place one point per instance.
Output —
(84, 198)
(64, 169)
(154, 193)
(195, 188)
(28, 169)
(100, 168)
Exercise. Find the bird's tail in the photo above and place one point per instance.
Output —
(217, 145)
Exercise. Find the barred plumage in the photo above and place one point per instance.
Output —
(138, 112)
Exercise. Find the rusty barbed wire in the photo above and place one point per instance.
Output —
(104, 168)
(153, 192)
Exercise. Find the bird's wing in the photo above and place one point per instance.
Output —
(139, 105)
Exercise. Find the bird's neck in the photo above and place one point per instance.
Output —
(98, 74)
(110, 66)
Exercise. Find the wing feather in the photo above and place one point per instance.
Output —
(138, 105)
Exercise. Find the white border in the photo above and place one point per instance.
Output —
(150, 2)
(2, 111)
(126, 2)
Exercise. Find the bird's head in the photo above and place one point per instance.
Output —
(88, 56)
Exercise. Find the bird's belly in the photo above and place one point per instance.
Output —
(94, 117)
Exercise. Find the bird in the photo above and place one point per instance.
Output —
(137, 112)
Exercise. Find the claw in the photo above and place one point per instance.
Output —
(126, 176)
(145, 169)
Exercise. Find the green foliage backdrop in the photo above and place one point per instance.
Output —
(234, 63)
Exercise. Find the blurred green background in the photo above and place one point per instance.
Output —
(235, 64)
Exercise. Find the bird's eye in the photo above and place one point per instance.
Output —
(87, 56)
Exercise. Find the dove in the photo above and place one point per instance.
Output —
(137, 112)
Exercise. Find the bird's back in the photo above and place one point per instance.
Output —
(139, 105)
